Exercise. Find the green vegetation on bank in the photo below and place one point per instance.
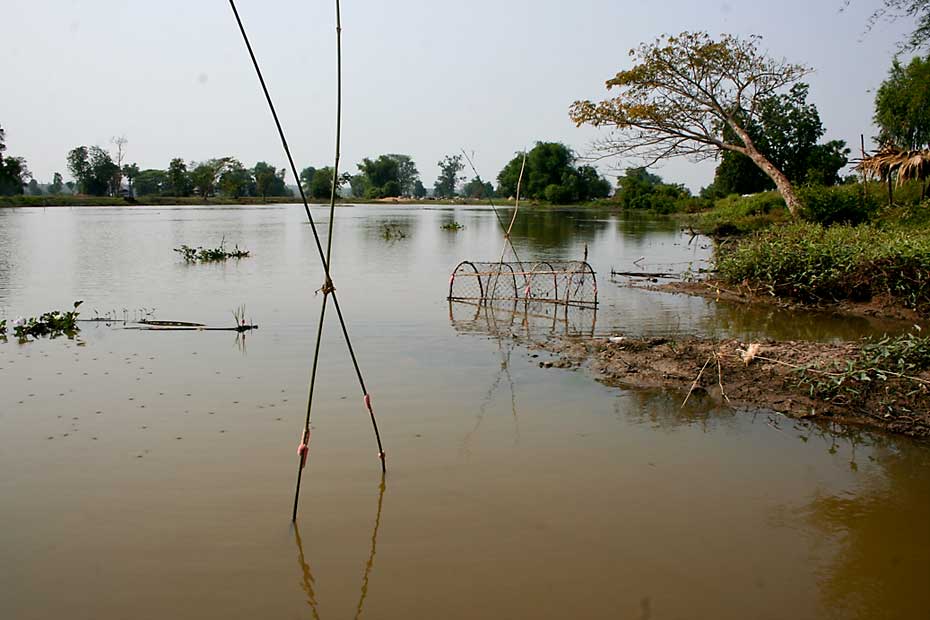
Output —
(815, 263)
(877, 363)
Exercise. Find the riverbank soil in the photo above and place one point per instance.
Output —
(795, 378)
(877, 307)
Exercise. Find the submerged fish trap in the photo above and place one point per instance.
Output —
(570, 283)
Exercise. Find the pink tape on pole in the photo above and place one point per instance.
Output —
(304, 448)
(451, 279)
(368, 401)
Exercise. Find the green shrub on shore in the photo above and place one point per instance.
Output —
(736, 215)
(814, 263)
(840, 204)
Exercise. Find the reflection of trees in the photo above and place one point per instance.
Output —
(760, 321)
(548, 229)
(638, 226)
(661, 409)
(882, 567)
(8, 236)
(399, 227)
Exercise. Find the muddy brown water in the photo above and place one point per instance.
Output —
(150, 475)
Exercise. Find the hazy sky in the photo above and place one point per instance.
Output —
(420, 77)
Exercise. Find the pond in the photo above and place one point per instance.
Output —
(151, 474)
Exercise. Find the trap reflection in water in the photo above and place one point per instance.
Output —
(522, 319)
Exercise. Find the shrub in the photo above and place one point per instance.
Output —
(813, 263)
(558, 194)
(737, 214)
(846, 204)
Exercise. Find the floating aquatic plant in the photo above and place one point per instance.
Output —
(51, 324)
(210, 255)
(452, 226)
(392, 232)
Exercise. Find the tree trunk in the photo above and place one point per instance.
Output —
(781, 181)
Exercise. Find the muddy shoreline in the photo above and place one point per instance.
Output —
(877, 308)
(765, 374)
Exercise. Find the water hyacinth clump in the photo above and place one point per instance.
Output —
(51, 324)
(210, 255)
(2, 327)
(452, 226)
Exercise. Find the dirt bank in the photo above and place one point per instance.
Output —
(799, 379)
(743, 293)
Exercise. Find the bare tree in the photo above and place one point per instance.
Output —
(120, 144)
(692, 96)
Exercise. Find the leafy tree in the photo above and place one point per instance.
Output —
(151, 182)
(407, 173)
(236, 180)
(786, 132)
(478, 189)
(418, 190)
(545, 165)
(70, 186)
(322, 185)
(79, 166)
(34, 189)
(130, 171)
(686, 95)
(449, 168)
(13, 175)
(892, 10)
(592, 184)
(269, 181)
(205, 176)
(179, 179)
(359, 185)
(306, 178)
(640, 189)
(550, 174)
(56, 185)
(13, 171)
(93, 169)
(382, 176)
(902, 106)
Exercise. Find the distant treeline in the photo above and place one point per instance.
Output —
(551, 173)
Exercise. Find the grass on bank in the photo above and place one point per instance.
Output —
(816, 263)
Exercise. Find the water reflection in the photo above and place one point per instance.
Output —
(550, 229)
(307, 580)
(882, 566)
(761, 321)
(505, 348)
(534, 321)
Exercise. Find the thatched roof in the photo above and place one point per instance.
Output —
(890, 162)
